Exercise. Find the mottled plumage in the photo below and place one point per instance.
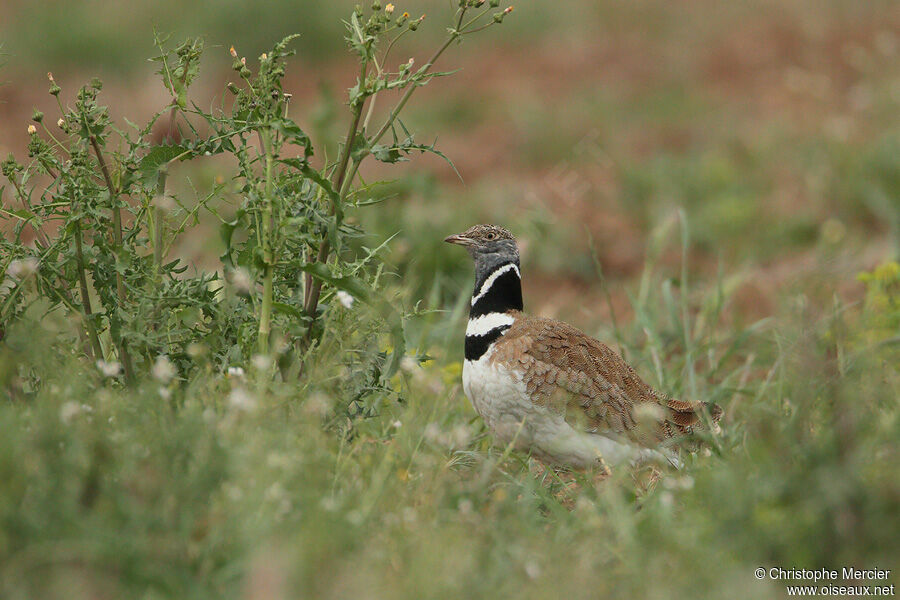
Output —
(558, 393)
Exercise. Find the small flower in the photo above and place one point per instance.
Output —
(22, 268)
(233, 52)
(396, 424)
(241, 280)
(345, 299)
(498, 17)
(68, 411)
(408, 364)
(389, 8)
(318, 404)
(236, 372)
(54, 89)
(244, 60)
(413, 25)
(240, 399)
(109, 369)
(61, 123)
(163, 370)
(32, 130)
(263, 57)
(261, 362)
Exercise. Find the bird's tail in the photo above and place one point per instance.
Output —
(685, 418)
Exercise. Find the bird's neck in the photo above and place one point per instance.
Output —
(497, 291)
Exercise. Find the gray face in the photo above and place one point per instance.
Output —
(489, 245)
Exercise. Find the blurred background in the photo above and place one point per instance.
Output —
(582, 126)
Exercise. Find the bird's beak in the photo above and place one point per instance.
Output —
(459, 239)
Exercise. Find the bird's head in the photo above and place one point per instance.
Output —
(489, 246)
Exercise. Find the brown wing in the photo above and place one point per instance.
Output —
(597, 391)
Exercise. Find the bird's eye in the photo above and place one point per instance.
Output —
(490, 236)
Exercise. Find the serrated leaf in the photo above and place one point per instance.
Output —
(155, 158)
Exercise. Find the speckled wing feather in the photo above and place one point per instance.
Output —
(584, 379)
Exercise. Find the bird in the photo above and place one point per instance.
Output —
(549, 389)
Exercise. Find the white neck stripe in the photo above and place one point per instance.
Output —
(486, 323)
(492, 278)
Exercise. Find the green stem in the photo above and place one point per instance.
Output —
(313, 287)
(343, 183)
(117, 247)
(85, 297)
(265, 311)
(158, 225)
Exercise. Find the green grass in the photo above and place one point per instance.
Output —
(195, 490)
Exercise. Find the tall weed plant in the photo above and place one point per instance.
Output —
(96, 199)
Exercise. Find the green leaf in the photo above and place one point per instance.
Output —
(158, 156)
(292, 132)
(287, 309)
(351, 285)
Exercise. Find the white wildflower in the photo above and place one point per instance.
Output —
(163, 370)
(240, 399)
(109, 369)
(408, 364)
(261, 362)
(344, 298)
(241, 280)
(22, 268)
(317, 404)
(68, 411)
(236, 372)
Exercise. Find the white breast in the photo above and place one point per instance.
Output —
(499, 396)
